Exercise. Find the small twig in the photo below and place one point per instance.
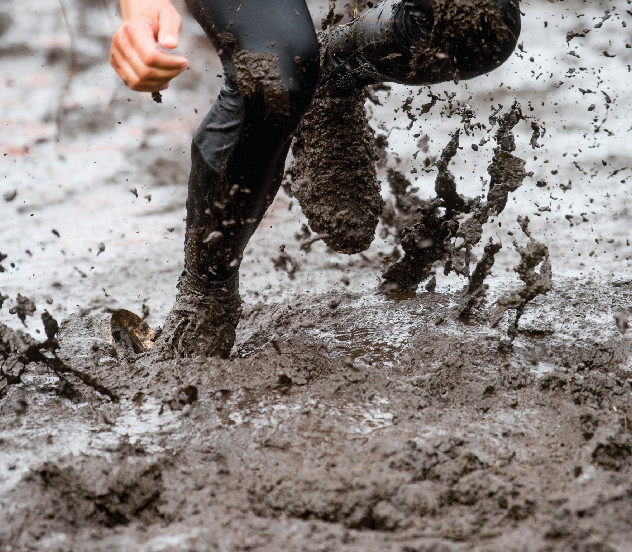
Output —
(59, 367)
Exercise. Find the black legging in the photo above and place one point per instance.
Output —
(270, 56)
(239, 150)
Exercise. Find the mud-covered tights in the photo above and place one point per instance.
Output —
(270, 55)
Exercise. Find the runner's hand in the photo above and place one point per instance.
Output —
(135, 52)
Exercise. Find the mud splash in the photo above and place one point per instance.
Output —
(536, 282)
(449, 238)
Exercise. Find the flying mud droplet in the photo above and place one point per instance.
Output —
(286, 262)
(537, 132)
(214, 237)
(10, 195)
(24, 307)
(532, 256)
(51, 326)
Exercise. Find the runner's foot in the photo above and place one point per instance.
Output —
(203, 319)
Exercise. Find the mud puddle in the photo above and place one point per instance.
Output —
(346, 419)
(454, 442)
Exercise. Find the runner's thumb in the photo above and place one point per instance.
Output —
(169, 25)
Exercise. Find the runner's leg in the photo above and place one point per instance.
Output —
(270, 56)
(422, 42)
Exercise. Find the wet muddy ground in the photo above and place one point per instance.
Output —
(347, 418)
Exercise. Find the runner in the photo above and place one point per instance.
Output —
(272, 65)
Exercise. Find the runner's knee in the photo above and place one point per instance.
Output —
(284, 78)
(491, 38)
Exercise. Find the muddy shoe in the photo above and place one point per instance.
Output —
(203, 320)
(377, 46)
(333, 174)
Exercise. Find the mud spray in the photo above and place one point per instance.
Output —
(347, 420)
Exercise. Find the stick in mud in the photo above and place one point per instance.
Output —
(18, 350)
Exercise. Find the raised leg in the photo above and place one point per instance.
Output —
(422, 42)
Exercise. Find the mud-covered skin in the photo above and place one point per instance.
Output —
(203, 319)
(333, 175)
(441, 443)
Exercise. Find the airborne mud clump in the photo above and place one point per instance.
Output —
(333, 174)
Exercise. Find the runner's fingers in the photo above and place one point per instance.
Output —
(169, 25)
(141, 38)
(144, 71)
(130, 77)
(123, 69)
(151, 87)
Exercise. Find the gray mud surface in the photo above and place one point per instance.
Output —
(333, 437)
(346, 418)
